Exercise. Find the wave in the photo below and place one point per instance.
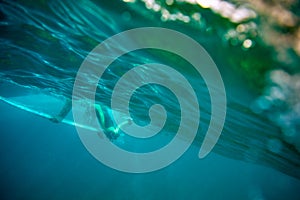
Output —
(43, 46)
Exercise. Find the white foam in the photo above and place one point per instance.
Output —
(283, 94)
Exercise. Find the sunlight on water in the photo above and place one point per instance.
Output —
(43, 47)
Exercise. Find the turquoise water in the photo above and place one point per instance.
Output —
(42, 47)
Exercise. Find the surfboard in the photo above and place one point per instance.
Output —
(39, 102)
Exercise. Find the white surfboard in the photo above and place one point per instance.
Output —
(39, 102)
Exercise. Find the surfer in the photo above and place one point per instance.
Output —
(110, 129)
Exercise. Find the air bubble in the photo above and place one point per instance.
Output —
(169, 2)
(247, 43)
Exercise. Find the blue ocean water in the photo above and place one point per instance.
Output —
(43, 160)
(43, 45)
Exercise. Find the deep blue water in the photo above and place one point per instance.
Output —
(42, 46)
(43, 160)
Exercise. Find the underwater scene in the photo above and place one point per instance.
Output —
(63, 123)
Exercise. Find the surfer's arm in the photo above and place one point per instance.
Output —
(64, 111)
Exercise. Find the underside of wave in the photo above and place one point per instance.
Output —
(280, 102)
(245, 136)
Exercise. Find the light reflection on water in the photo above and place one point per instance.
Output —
(44, 45)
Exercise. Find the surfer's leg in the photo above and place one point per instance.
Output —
(64, 111)
(110, 129)
(100, 115)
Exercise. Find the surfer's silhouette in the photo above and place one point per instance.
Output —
(110, 129)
